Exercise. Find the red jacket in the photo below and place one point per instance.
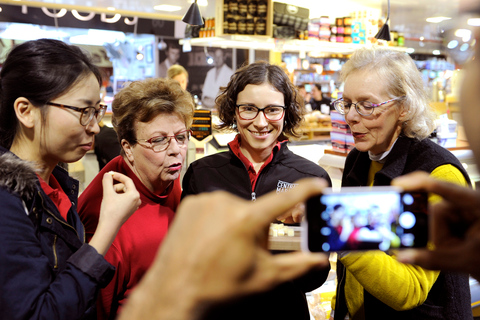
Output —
(137, 242)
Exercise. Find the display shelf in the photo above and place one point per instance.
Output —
(312, 46)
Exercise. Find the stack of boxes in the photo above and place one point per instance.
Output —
(340, 135)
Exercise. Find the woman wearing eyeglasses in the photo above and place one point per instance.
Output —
(49, 113)
(152, 119)
(388, 112)
(263, 107)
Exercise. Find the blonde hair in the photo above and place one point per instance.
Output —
(401, 77)
(175, 70)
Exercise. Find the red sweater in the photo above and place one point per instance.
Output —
(137, 242)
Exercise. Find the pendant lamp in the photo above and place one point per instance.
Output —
(384, 32)
(193, 16)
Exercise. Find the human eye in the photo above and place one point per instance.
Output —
(181, 137)
(158, 140)
(367, 105)
(248, 108)
(273, 110)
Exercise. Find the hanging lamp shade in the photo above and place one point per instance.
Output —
(193, 16)
(384, 32)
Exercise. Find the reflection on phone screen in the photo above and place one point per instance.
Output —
(367, 221)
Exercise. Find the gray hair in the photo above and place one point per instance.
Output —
(401, 78)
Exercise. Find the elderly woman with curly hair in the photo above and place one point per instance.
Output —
(261, 104)
(388, 112)
(152, 120)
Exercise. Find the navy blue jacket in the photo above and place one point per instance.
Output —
(46, 269)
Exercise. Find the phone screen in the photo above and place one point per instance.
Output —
(378, 218)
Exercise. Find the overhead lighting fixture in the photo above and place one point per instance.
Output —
(437, 19)
(384, 32)
(193, 16)
(209, 58)
(201, 3)
(167, 8)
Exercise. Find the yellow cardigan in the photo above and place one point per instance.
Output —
(398, 285)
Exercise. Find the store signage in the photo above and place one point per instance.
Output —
(202, 124)
(85, 20)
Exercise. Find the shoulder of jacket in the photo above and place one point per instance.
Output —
(213, 160)
(17, 176)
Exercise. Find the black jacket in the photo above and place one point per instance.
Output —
(225, 171)
(449, 298)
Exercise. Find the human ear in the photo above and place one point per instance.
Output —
(127, 148)
(26, 112)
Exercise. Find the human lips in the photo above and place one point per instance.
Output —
(260, 134)
(87, 146)
(175, 167)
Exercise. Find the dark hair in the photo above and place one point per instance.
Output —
(141, 101)
(319, 86)
(40, 71)
(258, 73)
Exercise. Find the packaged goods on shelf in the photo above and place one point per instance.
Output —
(286, 16)
(340, 135)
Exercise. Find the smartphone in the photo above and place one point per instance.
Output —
(361, 218)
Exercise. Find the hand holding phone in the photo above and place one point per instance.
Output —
(361, 218)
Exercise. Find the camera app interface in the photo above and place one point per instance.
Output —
(362, 221)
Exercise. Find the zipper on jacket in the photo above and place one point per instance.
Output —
(55, 266)
(55, 217)
(254, 196)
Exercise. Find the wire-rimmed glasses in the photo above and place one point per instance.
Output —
(87, 114)
(161, 142)
(364, 108)
(250, 112)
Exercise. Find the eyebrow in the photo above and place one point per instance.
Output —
(254, 105)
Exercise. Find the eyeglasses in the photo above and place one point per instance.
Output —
(459, 37)
(250, 112)
(364, 108)
(87, 114)
(161, 143)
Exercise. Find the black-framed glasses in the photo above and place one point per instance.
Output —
(250, 112)
(161, 143)
(364, 108)
(87, 114)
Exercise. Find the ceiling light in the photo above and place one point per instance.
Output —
(437, 19)
(474, 22)
(193, 16)
(167, 7)
(436, 52)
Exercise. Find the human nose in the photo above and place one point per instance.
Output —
(351, 114)
(92, 126)
(261, 119)
(173, 146)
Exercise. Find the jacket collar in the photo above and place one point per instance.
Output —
(393, 167)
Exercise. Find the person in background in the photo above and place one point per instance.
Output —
(455, 220)
(262, 105)
(152, 118)
(216, 252)
(216, 78)
(178, 73)
(106, 145)
(388, 112)
(302, 91)
(172, 55)
(49, 113)
(318, 100)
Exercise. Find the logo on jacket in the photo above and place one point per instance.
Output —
(283, 186)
